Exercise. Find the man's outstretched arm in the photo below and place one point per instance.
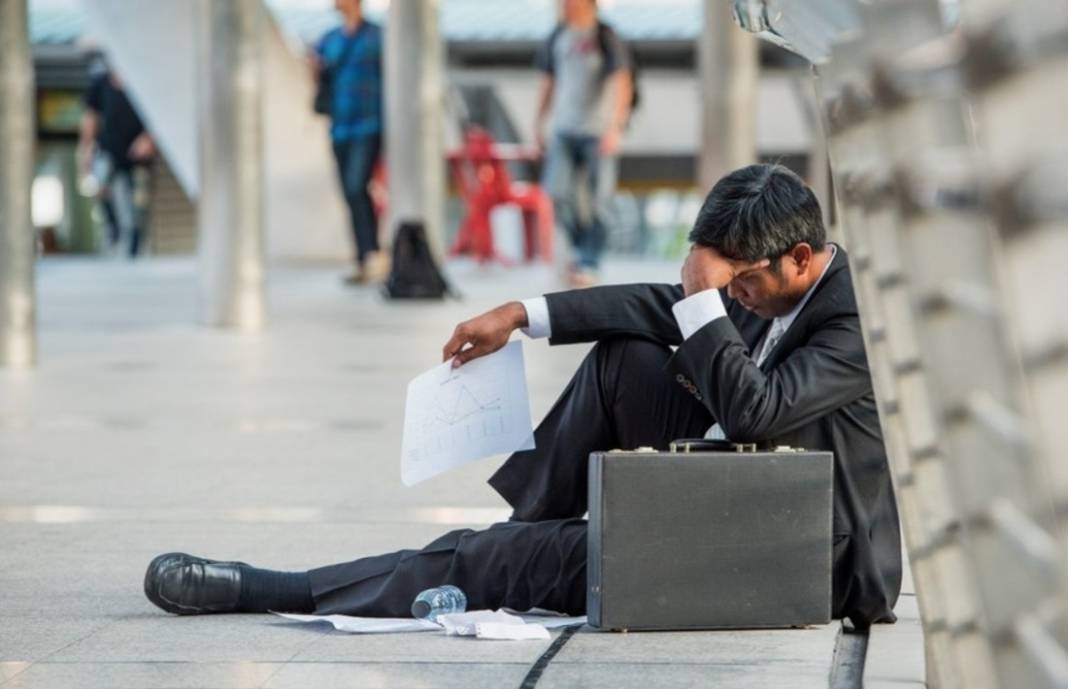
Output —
(667, 314)
(587, 315)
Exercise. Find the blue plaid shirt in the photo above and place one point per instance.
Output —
(357, 83)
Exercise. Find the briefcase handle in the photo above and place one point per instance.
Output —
(710, 445)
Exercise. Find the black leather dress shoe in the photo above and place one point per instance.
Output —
(188, 585)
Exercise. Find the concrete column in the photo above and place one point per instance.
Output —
(17, 241)
(415, 98)
(230, 221)
(728, 67)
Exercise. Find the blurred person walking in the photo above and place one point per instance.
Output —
(586, 96)
(114, 151)
(348, 70)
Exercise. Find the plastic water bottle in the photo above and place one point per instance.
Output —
(440, 600)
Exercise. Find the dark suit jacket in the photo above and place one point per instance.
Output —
(813, 391)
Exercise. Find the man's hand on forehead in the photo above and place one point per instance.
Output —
(706, 268)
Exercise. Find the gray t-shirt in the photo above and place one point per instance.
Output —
(580, 66)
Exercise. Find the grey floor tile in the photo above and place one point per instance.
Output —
(801, 649)
(908, 585)
(626, 676)
(907, 608)
(895, 651)
(10, 668)
(385, 675)
(429, 647)
(73, 607)
(103, 675)
(159, 638)
(28, 639)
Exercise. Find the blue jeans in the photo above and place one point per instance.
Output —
(356, 160)
(581, 184)
(124, 198)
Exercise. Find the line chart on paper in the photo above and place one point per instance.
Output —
(455, 416)
(455, 404)
(464, 409)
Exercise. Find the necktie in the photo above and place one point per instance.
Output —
(775, 333)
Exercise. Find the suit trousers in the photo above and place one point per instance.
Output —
(620, 397)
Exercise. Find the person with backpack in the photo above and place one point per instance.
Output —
(347, 65)
(585, 100)
(115, 154)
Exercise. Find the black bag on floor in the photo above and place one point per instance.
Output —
(415, 275)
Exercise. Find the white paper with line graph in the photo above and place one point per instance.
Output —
(455, 416)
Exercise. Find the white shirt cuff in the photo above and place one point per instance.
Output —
(538, 324)
(698, 310)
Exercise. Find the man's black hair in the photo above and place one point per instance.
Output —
(759, 211)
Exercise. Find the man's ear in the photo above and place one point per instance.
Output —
(802, 255)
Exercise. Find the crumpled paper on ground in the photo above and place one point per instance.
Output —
(481, 624)
(366, 625)
(466, 623)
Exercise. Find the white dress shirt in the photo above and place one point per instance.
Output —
(692, 313)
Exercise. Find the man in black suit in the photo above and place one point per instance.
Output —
(769, 351)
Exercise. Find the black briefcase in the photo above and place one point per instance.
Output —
(696, 539)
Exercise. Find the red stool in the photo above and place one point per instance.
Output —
(480, 173)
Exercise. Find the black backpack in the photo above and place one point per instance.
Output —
(414, 275)
(604, 34)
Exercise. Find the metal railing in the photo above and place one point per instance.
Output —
(948, 149)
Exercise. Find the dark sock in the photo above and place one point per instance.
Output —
(264, 590)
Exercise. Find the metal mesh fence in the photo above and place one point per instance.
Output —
(948, 149)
